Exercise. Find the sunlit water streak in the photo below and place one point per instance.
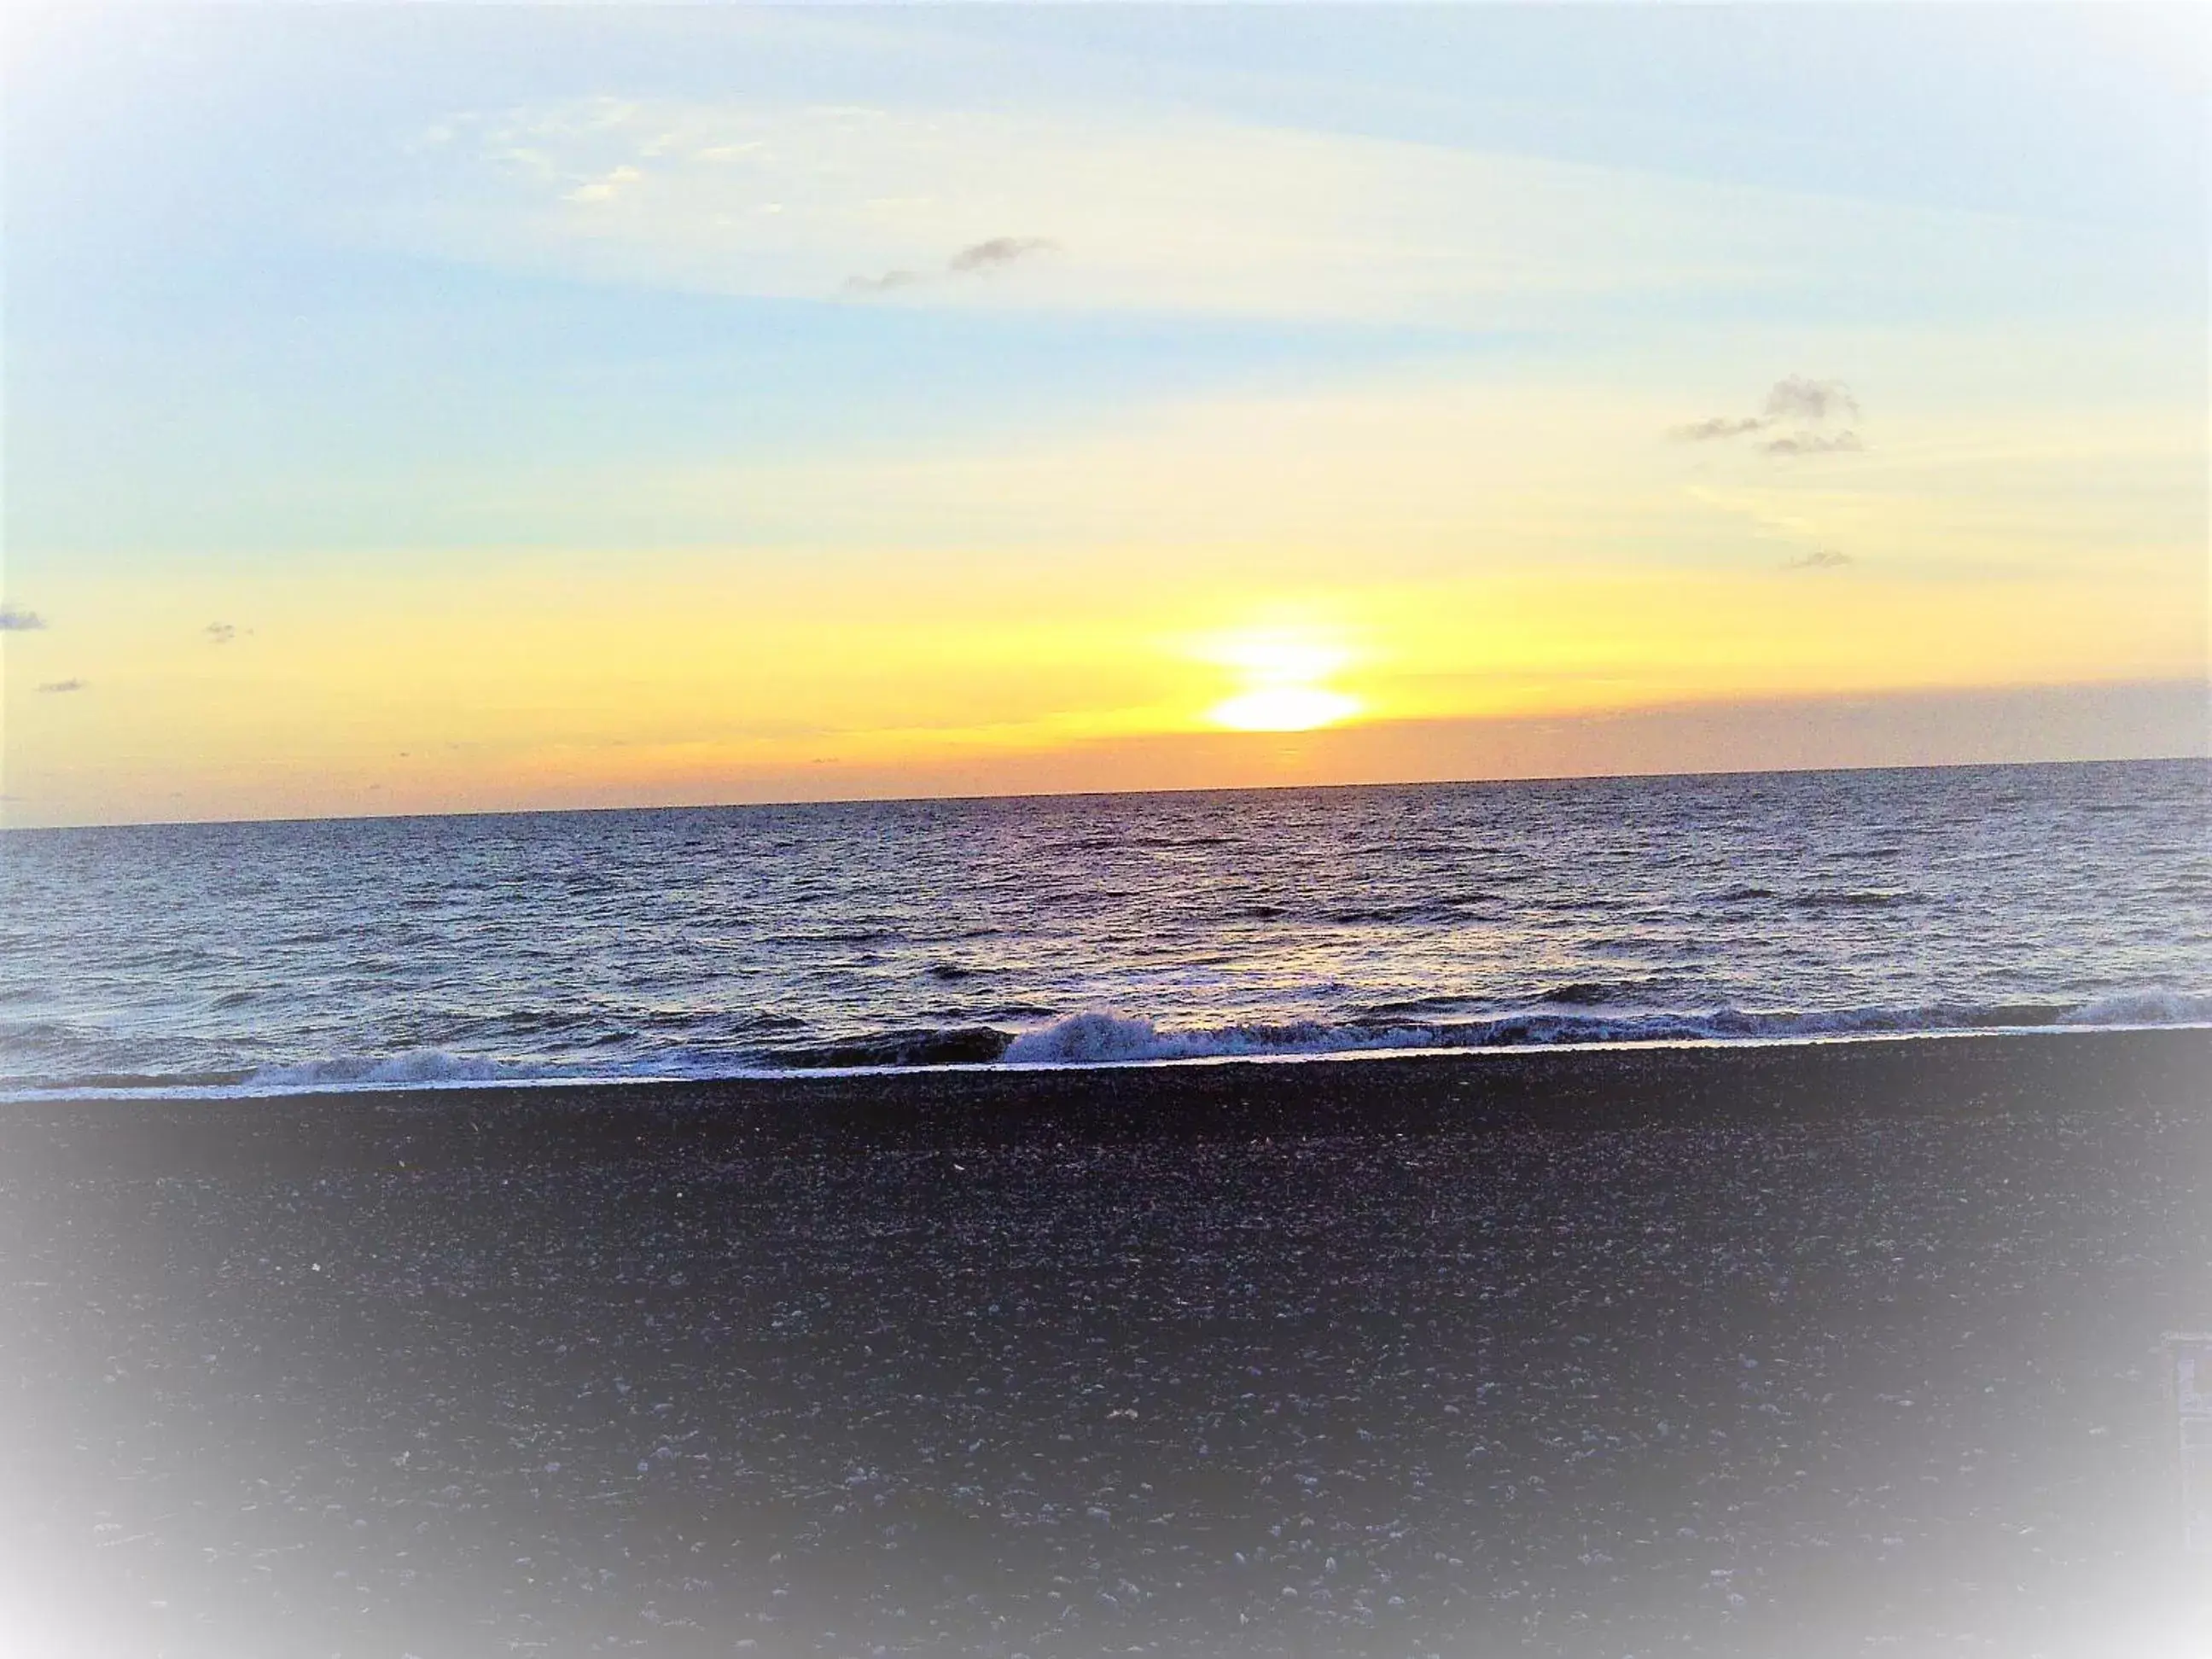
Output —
(701, 941)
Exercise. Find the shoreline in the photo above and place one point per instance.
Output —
(986, 1049)
(1599, 1087)
(215, 1085)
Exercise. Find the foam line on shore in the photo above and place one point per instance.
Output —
(416, 1078)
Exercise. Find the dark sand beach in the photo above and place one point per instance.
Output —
(1816, 1350)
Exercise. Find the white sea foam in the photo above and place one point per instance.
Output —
(1096, 1038)
(2144, 1008)
(417, 1069)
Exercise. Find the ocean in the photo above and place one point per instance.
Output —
(399, 951)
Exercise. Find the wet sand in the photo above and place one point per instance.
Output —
(1815, 1350)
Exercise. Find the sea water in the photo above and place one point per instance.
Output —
(1098, 928)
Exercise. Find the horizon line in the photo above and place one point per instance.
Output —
(1103, 794)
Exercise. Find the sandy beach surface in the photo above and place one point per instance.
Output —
(1828, 1349)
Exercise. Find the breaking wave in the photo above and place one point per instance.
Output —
(2144, 1008)
(1099, 1037)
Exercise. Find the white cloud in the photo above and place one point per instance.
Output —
(1185, 214)
(606, 187)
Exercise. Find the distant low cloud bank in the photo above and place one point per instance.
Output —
(1811, 412)
(55, 687)
(15, 619)
(1820, 558)
(219, 632)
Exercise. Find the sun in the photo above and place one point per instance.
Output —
(1284, 709)
(1284, 671)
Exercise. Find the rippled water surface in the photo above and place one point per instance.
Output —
(1093, 927)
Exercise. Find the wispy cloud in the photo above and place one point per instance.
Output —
(800, 200)
(1810, 408)
(56, 686)
(1813, 443)
(889, 283)
(15, 619)
(1820, 558)
(1717, 426)
(997, 253)
(976, 259)
(219, 632)
(1798, 398)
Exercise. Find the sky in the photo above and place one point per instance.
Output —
(436, 409)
